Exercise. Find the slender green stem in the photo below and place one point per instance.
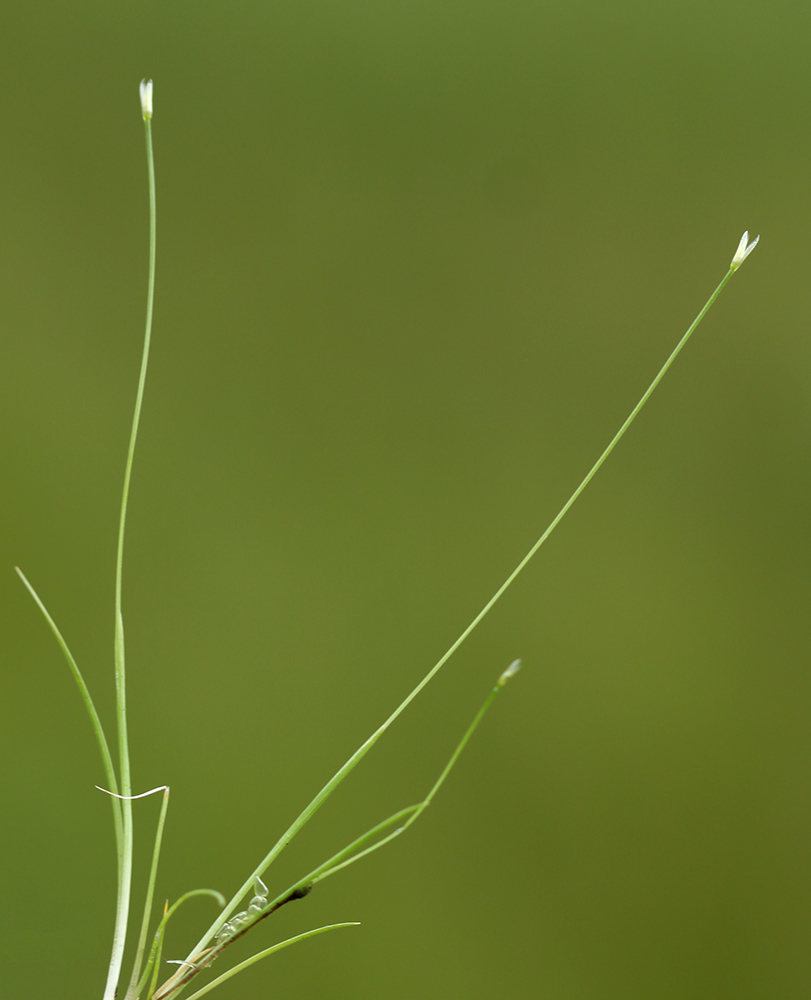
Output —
(150, 889)
(157, 966)
(156, 963)
(95, 721)
(348, 856)
(316, 803)
(352, 851)
(268, 951)
(125, 873)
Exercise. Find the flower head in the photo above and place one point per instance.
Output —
(146, 98)
(511, 671)
(743, 251)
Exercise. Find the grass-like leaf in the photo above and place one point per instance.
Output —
(269, 951)
(150, 889)
(95, 721)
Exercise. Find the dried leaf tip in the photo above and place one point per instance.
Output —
(743, 251)
(146, 99)
(511, 671)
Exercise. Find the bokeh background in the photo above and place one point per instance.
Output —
(416, 263)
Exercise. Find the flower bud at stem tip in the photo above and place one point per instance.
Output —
(146, 99)
(743, 251)
(511, 671)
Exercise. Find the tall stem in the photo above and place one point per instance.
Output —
(365, 747)
(125, 854)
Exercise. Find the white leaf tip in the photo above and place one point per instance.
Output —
(142, 795)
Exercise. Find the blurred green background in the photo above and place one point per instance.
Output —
(416, 263)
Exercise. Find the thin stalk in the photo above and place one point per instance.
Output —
(309, 811)
(156, 970)
(125, 873)
(352, 851)
(150, 889)
(348, 856)
(157, 964)
(155, 954)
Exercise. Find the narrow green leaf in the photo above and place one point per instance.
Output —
(95, 721)
(264, 954)
(150, 889)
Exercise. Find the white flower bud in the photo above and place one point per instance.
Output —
(146, 98)
(743, 251)
(511, 671)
